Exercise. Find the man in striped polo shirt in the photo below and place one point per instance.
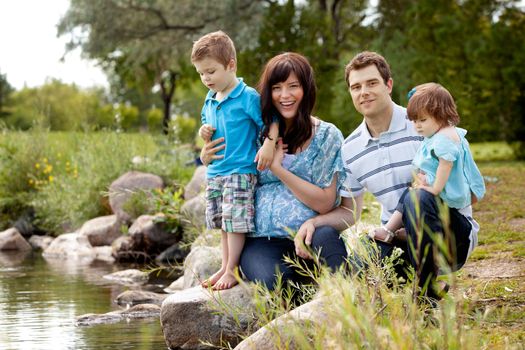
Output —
(377, 155)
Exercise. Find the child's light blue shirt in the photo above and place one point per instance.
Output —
(464, 176)
(238, 119)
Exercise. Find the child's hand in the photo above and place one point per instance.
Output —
(420, 179)
(264, 156)
(279, 154)
(206, 132)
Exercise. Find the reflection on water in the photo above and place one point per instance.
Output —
(41, 298)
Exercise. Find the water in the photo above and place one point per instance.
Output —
(41, 298)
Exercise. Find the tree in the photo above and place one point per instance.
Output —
(145, 42)
(5, 92)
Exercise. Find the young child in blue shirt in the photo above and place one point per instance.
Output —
(444, 163)
(231, 110)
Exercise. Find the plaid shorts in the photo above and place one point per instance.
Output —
(230, 203)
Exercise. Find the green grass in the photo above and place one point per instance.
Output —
(63, 175)
(485, 308)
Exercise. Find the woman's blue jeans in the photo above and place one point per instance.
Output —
(263, 258)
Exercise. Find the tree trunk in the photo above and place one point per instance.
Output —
(167, 88)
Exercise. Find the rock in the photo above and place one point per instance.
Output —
(150, 236)
(122, 249)
(104, 253)
(102, 230)
(122, 189)
(175, 286)
(194, 211)
(129, 277)
(137, 311)
(201, 263)
(197, 183)
(70, 245)
(11, 239)
(175, 253)
(40, 242)
(135, 297)
(190, 316)
(274, 334)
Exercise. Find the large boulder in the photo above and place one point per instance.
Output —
(201, 263)
(197, 183)
(150, 235)
(190, 317)
(70, 245)
(11, 239)
(102, 230)
(275, 335)
(123, 188)
(194, 211)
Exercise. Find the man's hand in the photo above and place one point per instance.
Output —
(206, 132)
(303, 239)
(208, 152)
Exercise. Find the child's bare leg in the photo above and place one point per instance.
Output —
(215, 277)
(235, 245)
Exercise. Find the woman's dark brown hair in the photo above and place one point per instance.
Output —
(277, 70)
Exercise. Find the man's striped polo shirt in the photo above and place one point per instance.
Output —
(382, 166)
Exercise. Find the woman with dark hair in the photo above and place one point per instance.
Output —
(304, 177)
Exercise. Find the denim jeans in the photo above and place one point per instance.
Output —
(262, 258)
(421, 218)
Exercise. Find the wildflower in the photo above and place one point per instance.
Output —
(31, 181)
(48, 169)
(51, 178)
(44, 160)
(37, 165)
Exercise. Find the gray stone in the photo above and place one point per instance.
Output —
(123, 188)
(40, 242)
(102, 230)
(11, 239)
(197, 183)
(104, 253)
(128, 277)
(175, 253)
(175, 286)
(201, 263)
(135, 297)
(275, 335)
(134, 312)
(193, 211)
(190, 316)
(150, 236)
(70, 245)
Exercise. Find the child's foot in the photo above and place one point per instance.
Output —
(227, 281)
(210, 282)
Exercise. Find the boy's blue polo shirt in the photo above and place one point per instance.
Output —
(237, 118)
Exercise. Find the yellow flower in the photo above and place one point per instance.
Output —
(48, 169)
(51, 178)
(44, 160)
(31, 181)
(37, 165)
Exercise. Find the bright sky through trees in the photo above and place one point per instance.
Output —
(30, 51)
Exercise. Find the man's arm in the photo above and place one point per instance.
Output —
(340, 218)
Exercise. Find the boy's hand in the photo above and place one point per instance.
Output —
(264, 156)
(206, 132)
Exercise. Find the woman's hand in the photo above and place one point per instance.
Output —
(303, 239)
(209, 150)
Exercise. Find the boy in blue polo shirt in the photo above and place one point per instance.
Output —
(231, 110)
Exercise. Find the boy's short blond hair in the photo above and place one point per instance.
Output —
(216, 45)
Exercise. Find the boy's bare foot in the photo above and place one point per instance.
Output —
(210, 282)
(227, 281)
